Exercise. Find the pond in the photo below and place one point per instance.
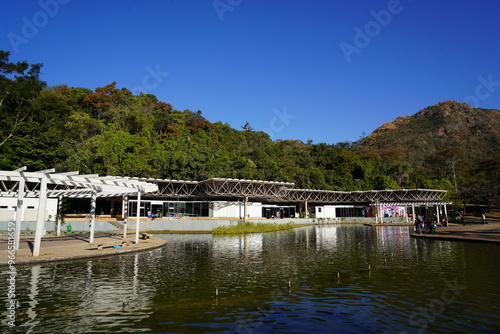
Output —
(321, 279)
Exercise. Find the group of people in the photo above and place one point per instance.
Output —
(425, 223)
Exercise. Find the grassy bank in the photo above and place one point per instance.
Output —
(250, 227)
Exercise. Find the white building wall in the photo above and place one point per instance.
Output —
(326, 211)
(8, 206)
(223, 209)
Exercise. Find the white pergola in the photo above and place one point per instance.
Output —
(69, 184)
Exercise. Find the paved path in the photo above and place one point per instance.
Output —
(76, 246)
(474, 232)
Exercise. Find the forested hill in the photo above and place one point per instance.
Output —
(110, 131)
(450, 140)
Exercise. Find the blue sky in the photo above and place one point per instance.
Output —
(328, 71)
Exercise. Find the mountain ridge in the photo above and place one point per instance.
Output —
(441, 126)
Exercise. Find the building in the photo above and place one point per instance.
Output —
(216, 198)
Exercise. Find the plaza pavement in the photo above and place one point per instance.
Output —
(470, 232)
(75, 246)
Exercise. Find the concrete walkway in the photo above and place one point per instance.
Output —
(473, 232)
(75, 246)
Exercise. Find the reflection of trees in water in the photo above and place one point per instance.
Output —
(78, 295)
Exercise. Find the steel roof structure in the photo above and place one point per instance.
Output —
(284, 192)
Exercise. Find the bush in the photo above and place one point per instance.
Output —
(250, 227)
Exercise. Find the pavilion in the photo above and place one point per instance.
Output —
(47, 184)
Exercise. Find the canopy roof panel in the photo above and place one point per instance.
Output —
(284, 192)
(71, 184)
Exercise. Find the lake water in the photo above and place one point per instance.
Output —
(317, 279)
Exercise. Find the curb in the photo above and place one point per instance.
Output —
(450, 238)
(82, 257)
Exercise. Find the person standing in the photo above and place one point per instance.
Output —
(444, 221)
(484, 218)
(462, 218)
(420, 223)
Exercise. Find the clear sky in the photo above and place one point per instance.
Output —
(328, 71)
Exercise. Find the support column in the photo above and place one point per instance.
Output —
(413, 212)
(138, 217)
(93, 201)
(19, 212)
(437, 213)
(125, 215)
(40, 222)
(59, 215)
(305, 209)
(380, 214)
(445, 212)
(245, 207)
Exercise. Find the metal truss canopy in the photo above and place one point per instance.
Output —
(284, 192)
(247, 188)
(74, 185)
(411, 203)
(370, 196)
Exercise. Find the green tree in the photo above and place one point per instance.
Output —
(19, 85)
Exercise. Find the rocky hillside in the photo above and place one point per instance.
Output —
(448, 128)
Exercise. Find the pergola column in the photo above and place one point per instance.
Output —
(245, 207)
(437, 213)
(138, 217)
(93, 202)
(125, 215)
(19, 212)
(59, 215)
(41, 215)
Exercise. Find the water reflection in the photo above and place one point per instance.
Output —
(32, 299)
(323, 278)
(248, 246)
